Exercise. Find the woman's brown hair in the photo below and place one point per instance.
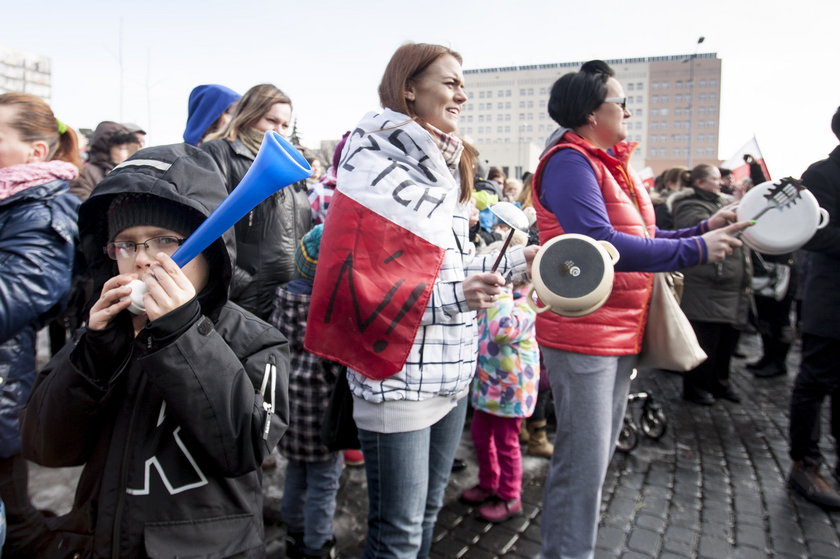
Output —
(35, 122)
(406, 65)
(250, 109)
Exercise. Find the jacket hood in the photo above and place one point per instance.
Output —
(206, 105)
(179, 173)
(100, 143)
(554, 139)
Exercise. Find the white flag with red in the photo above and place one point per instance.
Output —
(647, 177)
(384, 241)
(739, 164)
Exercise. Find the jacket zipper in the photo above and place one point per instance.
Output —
(115, 536)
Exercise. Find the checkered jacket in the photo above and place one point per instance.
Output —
(311, 380)
(442, 359)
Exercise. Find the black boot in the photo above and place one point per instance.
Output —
(697, 395)
(294, 543)
(327, 551)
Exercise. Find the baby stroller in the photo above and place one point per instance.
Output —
(643, 415)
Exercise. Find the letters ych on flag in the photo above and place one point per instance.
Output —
(739, 166)
(384, 241)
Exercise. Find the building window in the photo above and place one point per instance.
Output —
(507, 93)
(654, 99)
(522, 104)
(522, 92)
(664, 99)
(638, 112)
(530, 104)
(678, 84)
(530, 91)
(630, 87)
(521, 116)
(638, 98)
(507, 104)
(507, 116)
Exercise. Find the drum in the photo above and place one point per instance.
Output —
(785, 228)
(572, 275)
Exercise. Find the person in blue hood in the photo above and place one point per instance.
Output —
(210, 108)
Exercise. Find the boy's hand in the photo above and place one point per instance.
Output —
(168, 287)
(113, 300)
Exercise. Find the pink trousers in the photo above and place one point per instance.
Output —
(496, 441)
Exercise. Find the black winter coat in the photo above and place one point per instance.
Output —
(172, 431)
(821, 297)
(267, 237)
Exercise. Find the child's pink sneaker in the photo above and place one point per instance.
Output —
(477, 495)
(499, 511)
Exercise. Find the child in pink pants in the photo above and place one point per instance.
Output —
(503, 392)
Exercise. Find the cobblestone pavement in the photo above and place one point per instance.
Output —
(712, 487)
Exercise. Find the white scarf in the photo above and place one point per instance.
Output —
(394, 167)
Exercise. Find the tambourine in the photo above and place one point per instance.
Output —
(787, 215)
(572, 275)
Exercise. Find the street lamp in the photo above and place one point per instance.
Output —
(690, 61)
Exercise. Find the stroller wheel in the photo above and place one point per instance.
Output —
(628, 437)
(653, 422)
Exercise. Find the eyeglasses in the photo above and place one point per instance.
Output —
(126, 250)
(620, 101)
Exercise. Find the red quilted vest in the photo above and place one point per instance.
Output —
(618, 326)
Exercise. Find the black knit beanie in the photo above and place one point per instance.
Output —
(137, 209)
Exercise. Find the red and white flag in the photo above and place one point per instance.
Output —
(384, 242)
(741, 168)
(647, 177)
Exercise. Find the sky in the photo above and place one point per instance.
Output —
(780, 79)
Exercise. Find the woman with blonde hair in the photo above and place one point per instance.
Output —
(39, 157)
(266, 238)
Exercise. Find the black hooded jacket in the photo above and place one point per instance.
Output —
(172, 428)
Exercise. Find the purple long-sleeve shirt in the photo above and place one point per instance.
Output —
(570, 191)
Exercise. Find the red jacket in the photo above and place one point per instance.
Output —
(617, 327)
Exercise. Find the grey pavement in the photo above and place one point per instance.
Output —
(712, 487)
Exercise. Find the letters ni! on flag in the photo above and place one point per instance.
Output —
(387, 238)
(373, 289)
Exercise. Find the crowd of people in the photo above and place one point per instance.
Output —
(381, 283)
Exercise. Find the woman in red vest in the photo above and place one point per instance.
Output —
(584, 185)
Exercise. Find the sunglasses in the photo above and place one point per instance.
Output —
(620, 101)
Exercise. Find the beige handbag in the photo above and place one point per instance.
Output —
(670, 342)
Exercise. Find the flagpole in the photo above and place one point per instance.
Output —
(691, 96)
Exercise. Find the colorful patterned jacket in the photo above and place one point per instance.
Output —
(508, 372)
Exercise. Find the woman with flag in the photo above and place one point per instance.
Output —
(397, 289)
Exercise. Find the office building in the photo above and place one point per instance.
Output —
(675, 101)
